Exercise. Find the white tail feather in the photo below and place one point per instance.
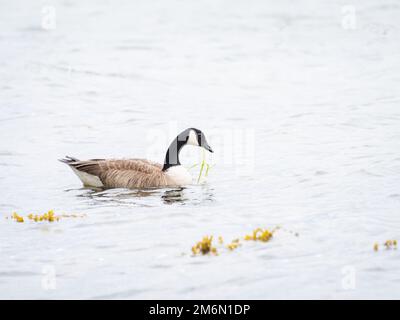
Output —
(87, 179)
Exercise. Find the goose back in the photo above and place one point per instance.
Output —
(125, 173)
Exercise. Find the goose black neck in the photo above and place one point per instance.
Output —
(172, 155)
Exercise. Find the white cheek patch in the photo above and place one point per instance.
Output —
(192, 138)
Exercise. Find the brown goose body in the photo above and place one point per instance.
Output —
(139, 173)
(124, 173)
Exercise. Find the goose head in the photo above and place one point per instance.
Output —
(190, 136)
(196, 137)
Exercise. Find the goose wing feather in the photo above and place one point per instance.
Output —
(125, 173)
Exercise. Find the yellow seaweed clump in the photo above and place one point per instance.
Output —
(48, 216)
(234, 244)
(259, 234)
(204, 246)
(17, 217)
(391, 244)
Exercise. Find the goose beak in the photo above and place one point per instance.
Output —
(208, 148)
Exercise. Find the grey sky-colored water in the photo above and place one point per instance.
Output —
(299, 100)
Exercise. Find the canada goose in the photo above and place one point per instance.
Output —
(139, 173)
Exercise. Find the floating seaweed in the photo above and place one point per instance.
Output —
(204, 246)
(234, 244)
(49, 216)
(389, 244)
(17, 217)
(259, 234)
(204, 167)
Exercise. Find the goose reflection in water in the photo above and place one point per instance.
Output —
(147, 197)
(189, 195)
(174, 196)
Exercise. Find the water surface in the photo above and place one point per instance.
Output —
(319, 103)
